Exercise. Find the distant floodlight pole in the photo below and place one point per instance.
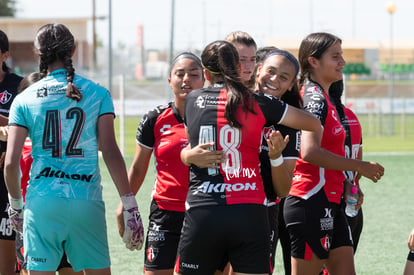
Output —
(172, 31)
(391, 7)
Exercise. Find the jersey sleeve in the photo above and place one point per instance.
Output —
(315, 103)
(145, 132)
(107, 106)
(274, 110)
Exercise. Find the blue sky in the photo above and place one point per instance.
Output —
(198, 22)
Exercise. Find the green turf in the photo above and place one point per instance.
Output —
(387, 212)
(376, 137)
(387, 206)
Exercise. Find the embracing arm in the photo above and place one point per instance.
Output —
(312, 152)
(201, 155)
(299, 119)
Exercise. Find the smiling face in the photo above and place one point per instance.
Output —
(328, 68)
(276, 75)
(186, 75)
(247, 59)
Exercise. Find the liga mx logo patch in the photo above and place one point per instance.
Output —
(5, 97)
(152, 253)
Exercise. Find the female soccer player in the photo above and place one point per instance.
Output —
(67, 118)
(162, 131)
(26, 161)
(225, 205)
(246, 48)
(276, 75)
(317, 227)
(8, 90)
(353, 149)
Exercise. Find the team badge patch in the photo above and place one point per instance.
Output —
(5, 97)
(267, 131)
(152, 253)
(326, 243)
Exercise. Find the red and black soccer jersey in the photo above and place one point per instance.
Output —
(8, 91)
(291, 151)
(162, 130)
(309, 179)
(238, 180)
(353, 141)
(26, 161)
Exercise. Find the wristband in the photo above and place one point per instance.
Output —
(16, 203)
(276, 162)
(128, 201)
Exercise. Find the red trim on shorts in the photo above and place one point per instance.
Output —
(308, 253)
(270, 264)
(177, 265)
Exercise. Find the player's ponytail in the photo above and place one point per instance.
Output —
(221, 61)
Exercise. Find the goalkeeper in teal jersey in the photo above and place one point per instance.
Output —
(68, 118)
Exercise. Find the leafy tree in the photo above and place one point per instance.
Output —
(7, 7)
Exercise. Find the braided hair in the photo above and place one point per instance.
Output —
(54, 42)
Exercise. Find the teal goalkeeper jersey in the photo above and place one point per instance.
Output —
(64, 136)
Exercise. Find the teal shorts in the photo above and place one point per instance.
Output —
(53, 225)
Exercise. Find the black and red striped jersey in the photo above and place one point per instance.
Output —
(238, 180)
(353, 141)
(162, 130)
(309, 179)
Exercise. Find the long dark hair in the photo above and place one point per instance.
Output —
(335, 93)
(4, 47)
(314, 45)
(54, 42)
(221, 60)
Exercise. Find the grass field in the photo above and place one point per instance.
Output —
(388, 212)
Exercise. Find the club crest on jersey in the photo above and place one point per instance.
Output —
(326, 242)
(5, 97)
(152, 253)
(267, 131)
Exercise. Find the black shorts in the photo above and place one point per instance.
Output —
(410, 256)
(162, 238)
(214, 234)
(20, 261)
(356, 224)
(6, 232)
(273, 214)
(315, 226)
